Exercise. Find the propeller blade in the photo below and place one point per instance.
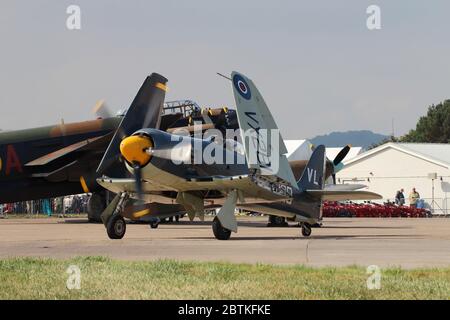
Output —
(101, 110)
(145, 111)
(341, 155)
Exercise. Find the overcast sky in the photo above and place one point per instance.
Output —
(317, 65)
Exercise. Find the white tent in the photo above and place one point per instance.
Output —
(298, 149)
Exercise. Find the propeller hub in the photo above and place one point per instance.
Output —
(134, 149)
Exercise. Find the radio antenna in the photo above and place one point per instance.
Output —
(223, 76)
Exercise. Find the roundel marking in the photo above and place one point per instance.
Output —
(242, 87)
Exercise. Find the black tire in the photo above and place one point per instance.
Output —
(171, 219)
(177, 218)
(116, 227)
(96, 205)
(276, 221)
(219, 231)
(306, 230)
(154, 224)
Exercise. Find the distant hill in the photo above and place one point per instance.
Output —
(361, 138)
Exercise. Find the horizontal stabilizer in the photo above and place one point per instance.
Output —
(344, 187)
(344, 195)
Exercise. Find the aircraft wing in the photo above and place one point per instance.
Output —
(344, 195)
(118, 185)
(190, 184)
(264, 147)
(84, 145)
(221, 183)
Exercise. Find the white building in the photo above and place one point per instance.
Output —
(393, 166)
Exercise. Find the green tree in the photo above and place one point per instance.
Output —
(434, 127)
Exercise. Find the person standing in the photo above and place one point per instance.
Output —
(400, 197)
(413, 198)
(46, 207)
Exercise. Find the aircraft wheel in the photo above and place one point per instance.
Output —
(276, 221)
(154, 224)
(96, 205)
(306, 230)
(116, 227)
(177, 218)
(219, 231)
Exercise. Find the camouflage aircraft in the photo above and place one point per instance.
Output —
(61, 160)
(258, 176)
(54, 161)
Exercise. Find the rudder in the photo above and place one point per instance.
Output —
(313, 177)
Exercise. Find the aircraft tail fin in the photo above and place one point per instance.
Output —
(312, 183)
(313, 177)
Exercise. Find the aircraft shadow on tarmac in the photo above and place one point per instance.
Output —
(193, 224)
(316, 237)
(208, 223)
(365, 227)
(76, 221)
(40, 222)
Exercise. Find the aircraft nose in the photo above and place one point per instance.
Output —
(133, 149)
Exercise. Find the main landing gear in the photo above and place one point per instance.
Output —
(219, 231)
(96, 205)
(112, 219)
(116, 227)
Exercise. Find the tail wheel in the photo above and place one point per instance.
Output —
(306, 230)
(116, 227)
(219, 231)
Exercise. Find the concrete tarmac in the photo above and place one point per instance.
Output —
(407, 243)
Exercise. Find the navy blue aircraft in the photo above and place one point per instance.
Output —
(255, 176)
